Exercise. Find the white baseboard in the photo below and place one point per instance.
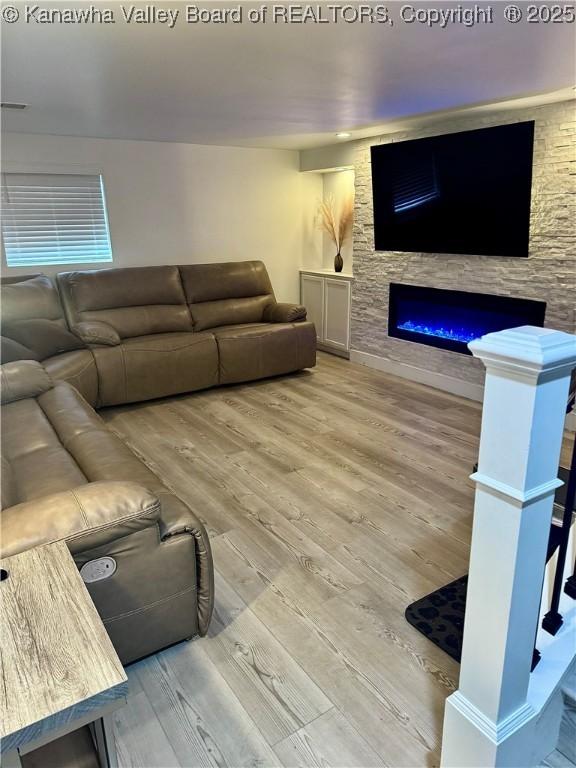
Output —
(333, 350)
(432, 379)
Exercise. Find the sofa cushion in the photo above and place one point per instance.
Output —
(32, 298)
(237, 327)
(225, 280)
(45, 337)
(56, 442)
(32, 317)
(265, 350)
(11, 351)
(226, 293)
(156, 365)
(11, 279)
(98, 452)
(78, 369)
(136, 301)
(7, 486)
(39, 463)
(212, 314)
(22, 379)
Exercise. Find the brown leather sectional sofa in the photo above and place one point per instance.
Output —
(117, 336)
(127, 335)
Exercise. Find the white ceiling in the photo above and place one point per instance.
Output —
(290, 86)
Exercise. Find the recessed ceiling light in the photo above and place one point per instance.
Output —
(12, 105)
(343, 135)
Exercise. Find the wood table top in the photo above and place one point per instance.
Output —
(57, 663)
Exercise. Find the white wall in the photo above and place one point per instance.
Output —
(183, 203)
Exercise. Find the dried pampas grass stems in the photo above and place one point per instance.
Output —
(338, 226)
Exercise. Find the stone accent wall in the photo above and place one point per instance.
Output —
(548, 274)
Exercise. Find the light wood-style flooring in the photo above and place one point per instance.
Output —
(333, 498)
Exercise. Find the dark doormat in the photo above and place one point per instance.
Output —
(440, 616)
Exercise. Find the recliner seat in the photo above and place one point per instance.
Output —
(139, 329)
(65, 475)
(257, 337)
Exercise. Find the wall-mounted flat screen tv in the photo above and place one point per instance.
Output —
(465, 192)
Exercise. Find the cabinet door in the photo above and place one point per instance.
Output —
(312, 297)
(337, 313)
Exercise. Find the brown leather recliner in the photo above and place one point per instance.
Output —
(34, 328)
(257, 337)
(66, 476)
(139, 329)
(158, 331)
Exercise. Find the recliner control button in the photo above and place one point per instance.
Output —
(97, 570)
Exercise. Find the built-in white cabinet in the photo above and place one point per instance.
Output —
(312, 297)
(327, 297)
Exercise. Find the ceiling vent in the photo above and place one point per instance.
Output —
(12, 105)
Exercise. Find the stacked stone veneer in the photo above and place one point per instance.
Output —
(548, 274)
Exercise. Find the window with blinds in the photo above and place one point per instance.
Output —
(52, 218)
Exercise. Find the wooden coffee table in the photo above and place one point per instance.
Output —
(58, 668)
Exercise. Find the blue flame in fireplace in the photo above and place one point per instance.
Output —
(452, 319)
(463, 335)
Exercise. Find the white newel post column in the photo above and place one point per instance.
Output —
(487, 720)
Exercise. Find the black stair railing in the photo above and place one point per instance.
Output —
(570, 586)
(552, 621)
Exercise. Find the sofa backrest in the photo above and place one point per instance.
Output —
(135, 301)
(33, 324)
(38, 320)
(226, 293)
(20, 381)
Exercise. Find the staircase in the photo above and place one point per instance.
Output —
(567, 739)
(564, 756)
(504, 714)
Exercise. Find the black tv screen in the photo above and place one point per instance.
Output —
(465, 192)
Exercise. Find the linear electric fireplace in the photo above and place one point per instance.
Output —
(451, 319)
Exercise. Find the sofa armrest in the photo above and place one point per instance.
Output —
(89, 516)
(96, 332)
(23, 379)
(179, 520)
(284, 313)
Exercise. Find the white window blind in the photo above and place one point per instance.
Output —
(52, 218)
